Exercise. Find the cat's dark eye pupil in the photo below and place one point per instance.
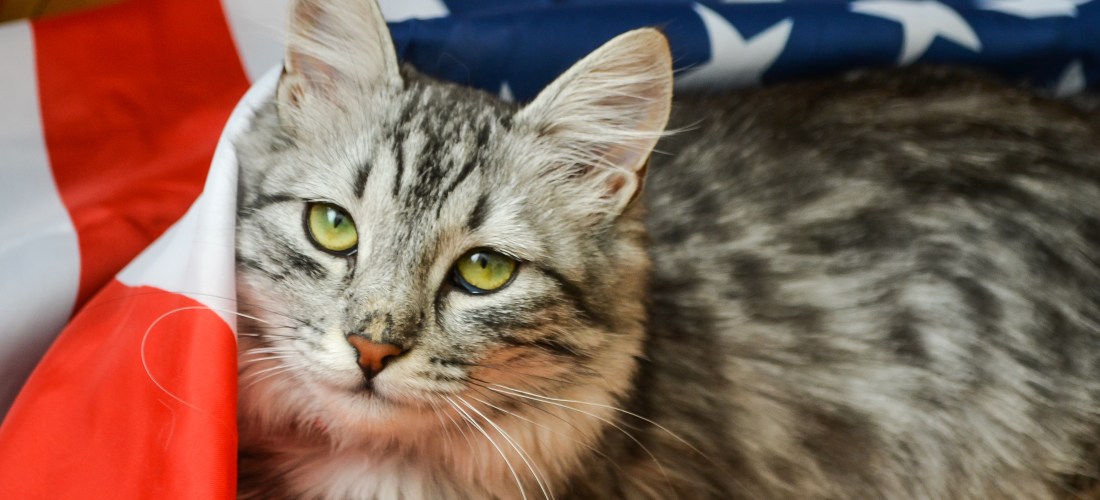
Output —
(335, 217)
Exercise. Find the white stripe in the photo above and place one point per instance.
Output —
(39, 254)
(195, 257)
(258, 28)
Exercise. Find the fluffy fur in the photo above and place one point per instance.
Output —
(881, 285)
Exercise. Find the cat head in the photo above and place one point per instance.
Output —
(411, 247)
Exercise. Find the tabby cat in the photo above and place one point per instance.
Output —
(880, 285)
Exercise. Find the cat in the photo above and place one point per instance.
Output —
(876, 285)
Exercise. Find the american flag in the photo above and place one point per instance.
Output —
(117, 182)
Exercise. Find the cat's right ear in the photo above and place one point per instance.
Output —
(333, 45)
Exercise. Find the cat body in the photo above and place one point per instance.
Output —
(893, 296)
(876, 285)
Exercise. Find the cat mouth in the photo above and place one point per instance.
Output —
(370, 396)
(366, 387)
(368, 390)
(364, 390)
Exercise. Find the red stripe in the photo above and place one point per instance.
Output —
(92, 421)
(133, 99)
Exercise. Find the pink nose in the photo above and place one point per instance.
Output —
(373, 357)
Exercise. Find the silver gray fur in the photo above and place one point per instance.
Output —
(882, 285)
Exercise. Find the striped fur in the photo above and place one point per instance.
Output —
(881, 285)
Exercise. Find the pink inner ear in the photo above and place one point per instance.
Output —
(640, 175)
(305, 74)
(626, 157)
(289, 91)
(616, 183)
(622, 187)
(632, 154)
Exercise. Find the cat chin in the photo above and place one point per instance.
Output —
(345, 414)
(371, 425)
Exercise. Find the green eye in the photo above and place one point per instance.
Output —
(483, 271)
(331, 228)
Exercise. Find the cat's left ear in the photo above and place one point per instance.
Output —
(602, 117)
(333, 45)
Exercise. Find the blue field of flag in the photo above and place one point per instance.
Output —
(516, 47)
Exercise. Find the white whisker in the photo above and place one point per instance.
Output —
(267, 350)
(536, 397)
(519, 484)
(253, 360)
(442, 425)
(270, 372)
(536, 472)
(469, 442)
(548, 429)
(620, 410)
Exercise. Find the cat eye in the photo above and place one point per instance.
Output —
(483, 271)
(331, 228)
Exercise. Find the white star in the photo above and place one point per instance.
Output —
(735, 61)
(922, 21)
(400, 10)
(1072, 80)
(505, 92)
(1033, 9)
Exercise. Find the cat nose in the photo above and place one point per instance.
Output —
(373, 356)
